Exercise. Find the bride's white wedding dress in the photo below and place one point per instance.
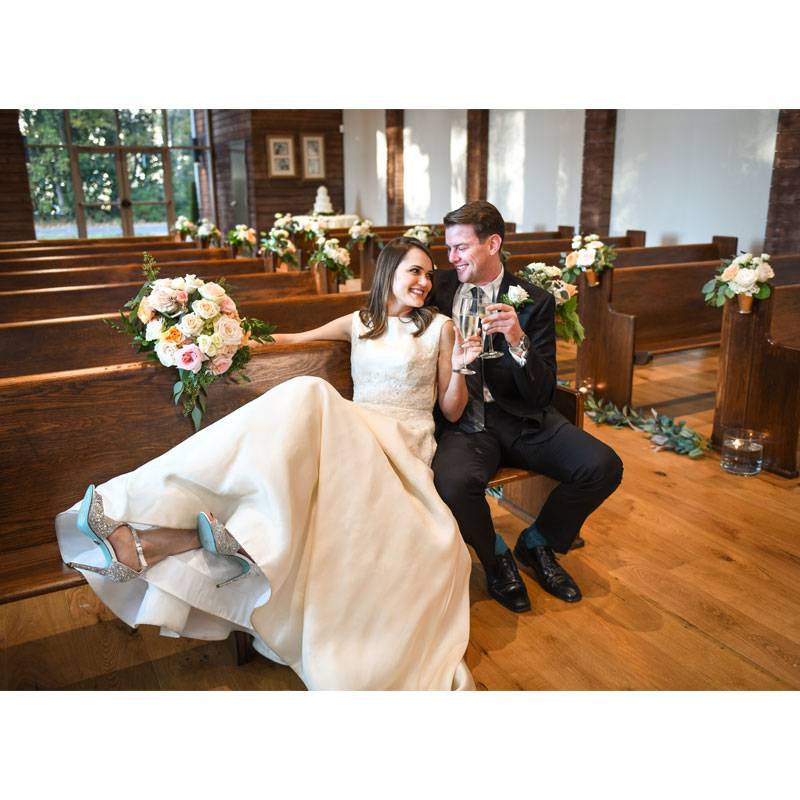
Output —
(365, 575)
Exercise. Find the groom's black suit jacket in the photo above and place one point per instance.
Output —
(524, 392)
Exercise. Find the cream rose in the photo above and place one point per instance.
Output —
(166, 353)
(744, 282)
(586, 257)
(153, 330)
(228, 330)
(572, 259)
(209, 345)
(191, 325)
(206, 309)
(164, 300)
(764, 272)
(145, 312)
(212, 291)
(729, 273)
(595, 245)
(221, 364)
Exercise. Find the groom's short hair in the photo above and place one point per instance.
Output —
(483, 217)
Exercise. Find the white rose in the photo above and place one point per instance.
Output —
(343, 256)
(552, 272)
(516, 294)
(164, 300)
(179, 284)
(153, 330)
(592, 237)
(586, 257)
(229, 331)
(595, 245)
(192, 282)
(729, 273)
(209, 345)
(212, 291)
(764, 272)
(207, 309)
(744, 282)
(191, 325)
(166, 352)
(765, 256)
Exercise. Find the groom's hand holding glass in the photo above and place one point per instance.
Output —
(502, 318)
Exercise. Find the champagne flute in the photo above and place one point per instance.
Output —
(491, 352)
(467, 321)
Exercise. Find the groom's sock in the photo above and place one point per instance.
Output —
(500, 546)
(531, 537)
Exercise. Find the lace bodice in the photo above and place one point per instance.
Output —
(395, 375)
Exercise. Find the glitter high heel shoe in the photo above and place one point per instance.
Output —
(95, 525)
(215, 538)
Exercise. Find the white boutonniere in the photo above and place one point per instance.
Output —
(516, 297)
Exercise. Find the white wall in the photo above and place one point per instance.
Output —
(434, 163)
(535, 165)
(365, 164)
(684, 176)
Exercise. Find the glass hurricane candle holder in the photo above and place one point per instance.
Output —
(742, 451)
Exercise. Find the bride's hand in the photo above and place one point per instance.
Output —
(465, 351)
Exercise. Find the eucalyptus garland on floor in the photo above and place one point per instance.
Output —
(663, 431)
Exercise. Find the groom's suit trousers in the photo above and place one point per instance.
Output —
(588, 471)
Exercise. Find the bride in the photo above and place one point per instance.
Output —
(304, 519)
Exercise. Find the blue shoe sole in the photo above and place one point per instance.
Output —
(86, 529)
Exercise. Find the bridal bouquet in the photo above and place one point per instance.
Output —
(425, 233)
(242, 236)
(207, 231)
(743, 276)
(568, 324)
(278, 241)
(588, 255)
(184, 227)
(333, 257)
(193, 326)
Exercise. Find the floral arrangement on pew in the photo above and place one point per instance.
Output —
(332, 257)
(278, 241)
(590, 256)
(287, 223)
(425, 233)
(313, 228)
(361, 232)
(193, 326)
(242, 236)
(744, 277)
(208, 232)
(550, 278)
(183, 227)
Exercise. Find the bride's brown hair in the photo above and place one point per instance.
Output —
(374, 315)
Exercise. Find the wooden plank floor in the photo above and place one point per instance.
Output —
(690, 579)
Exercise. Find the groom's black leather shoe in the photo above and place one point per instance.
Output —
(506, 586)
(550, 575)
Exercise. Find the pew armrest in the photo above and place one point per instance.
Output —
(570, 403)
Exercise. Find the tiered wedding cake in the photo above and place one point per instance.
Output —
(322, 202)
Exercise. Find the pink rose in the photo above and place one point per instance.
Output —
(227, 306)
(189, 358)
(221, 364)
(182, 297)
(164, 300)
(229, 330)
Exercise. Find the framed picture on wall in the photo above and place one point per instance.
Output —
(280, 156)
(313, 157)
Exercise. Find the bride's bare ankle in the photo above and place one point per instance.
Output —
(122, 542)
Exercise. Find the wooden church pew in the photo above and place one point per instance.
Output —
(61, 431)
(81, 301)
(758, 383)
(73, 344)
(89, 248)
(101, 259)
(122, 273)
(637, 312)
(13, 244)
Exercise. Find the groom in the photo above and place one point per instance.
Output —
(509, 419)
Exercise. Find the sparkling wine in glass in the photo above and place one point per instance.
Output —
(467, 320)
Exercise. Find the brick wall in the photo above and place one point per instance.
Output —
(783, 215)
(598, 170)
(16, 210)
